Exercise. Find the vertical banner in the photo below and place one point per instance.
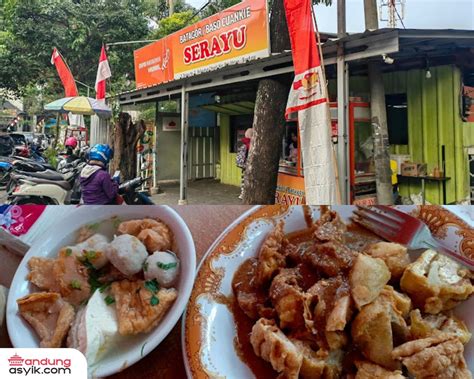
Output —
(308, 97)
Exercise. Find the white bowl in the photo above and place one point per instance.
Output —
(63, 233)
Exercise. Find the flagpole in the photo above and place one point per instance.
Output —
(323, 69)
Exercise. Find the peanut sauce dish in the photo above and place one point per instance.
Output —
(110, 282)
(303, 292)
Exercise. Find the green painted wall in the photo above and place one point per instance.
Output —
(230, 173)
(433, 120)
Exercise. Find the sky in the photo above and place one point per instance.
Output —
(420, 14)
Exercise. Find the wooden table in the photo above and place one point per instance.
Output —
(206, 223)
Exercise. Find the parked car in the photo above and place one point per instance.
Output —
(7, 145)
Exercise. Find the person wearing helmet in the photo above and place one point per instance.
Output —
(97, 187)
(71, 144)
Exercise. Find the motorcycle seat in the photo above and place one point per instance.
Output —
(61, 183)
(47, 174)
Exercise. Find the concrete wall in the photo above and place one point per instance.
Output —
(168, 156)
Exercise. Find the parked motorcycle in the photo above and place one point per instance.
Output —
(41, 188)
(5, 170)
(131, 194)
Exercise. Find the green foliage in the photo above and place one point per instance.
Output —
(158, 9)
(174, 23)
(31, 28)
(51, 156)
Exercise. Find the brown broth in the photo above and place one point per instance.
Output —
(260, 368)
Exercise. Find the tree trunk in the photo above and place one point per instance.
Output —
(261, 172)
(383, 172)
(126, 136)
(268, 123)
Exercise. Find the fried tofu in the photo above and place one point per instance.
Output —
(436, 283)
(394, 255)
(49, 315)
(431, 325)
(270, 256)
(369, 370)
(438, 356)
(139, 309)
(367, 279)
(377, 328)
(154, 234)
(272, 345)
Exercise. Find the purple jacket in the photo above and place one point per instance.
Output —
(97, 186)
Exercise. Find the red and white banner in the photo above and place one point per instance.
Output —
(64, 73)
(103, 73)
(308, 97)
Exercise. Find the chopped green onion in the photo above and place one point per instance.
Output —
(104, 286)
(116, 222)
(145, 266)
(90, 255)
(109, 300)
(94, 227)
(154, 300)
(152, 286)
(68, 252)
(166, 266)
(75, 284)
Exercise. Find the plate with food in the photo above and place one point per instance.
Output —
(303, 292)
(109, 281)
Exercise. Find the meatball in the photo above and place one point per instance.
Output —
(162, 266)
(94, 249)
(127, 254)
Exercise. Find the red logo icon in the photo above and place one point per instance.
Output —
(15, 360)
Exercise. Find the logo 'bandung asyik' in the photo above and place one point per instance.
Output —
(15, 361)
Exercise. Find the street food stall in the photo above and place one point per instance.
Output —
(290, 185)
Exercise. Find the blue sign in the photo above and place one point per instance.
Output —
(199, 117)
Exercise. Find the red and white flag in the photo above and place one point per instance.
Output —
(64, 73)
(308, 97)
(103, 73)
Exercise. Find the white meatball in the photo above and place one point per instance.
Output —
(97, 245)
(127, 254)
(162, 266)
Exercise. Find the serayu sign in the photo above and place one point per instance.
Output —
(235, 35)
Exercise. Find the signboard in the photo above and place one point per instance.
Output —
(290, 190)
(235, 35)
(171, 124)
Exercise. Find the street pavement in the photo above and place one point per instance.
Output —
(205, 191)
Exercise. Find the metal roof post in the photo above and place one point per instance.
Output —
(183, 177)
(342, 106)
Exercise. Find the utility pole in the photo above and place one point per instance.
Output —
(171, 7)
(342, 106)
(383, 172)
